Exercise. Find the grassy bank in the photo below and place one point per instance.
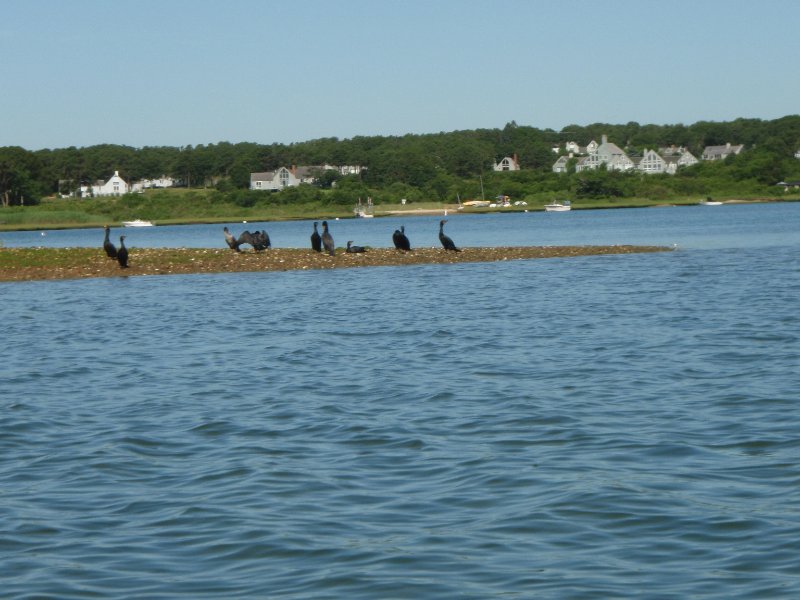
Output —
(181, 206)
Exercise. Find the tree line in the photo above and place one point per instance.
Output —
(435, 166)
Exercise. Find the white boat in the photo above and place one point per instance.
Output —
(137, 223)
(363, 212)
(710, 203)
(557, 206)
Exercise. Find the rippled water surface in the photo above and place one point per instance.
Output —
(601, 427)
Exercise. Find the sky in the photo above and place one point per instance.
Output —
(189, 72)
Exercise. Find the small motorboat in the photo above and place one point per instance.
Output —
(137, 223)
(557, 206)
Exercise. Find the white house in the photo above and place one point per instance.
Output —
(161, 182)
(607, 153)
(651, 162)
(115, 186)
(616, 159)
(507, 164)
(343, 169)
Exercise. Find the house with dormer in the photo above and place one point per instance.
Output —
(721, 152)
(284, 177)
(115, 186)
(608, 154)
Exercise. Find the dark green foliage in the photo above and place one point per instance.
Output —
(433, 167)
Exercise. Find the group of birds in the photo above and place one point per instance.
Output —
(260, 241)
(121, 253)
(324, 241)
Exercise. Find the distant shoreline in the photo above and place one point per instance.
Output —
(388, 211)
(37, 264)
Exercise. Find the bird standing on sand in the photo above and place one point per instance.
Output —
(122, 253)
(108, 245)
(446, 241)
(233, 244)
(327, 239)
(400, 240)
(354, 249)
(316, 241)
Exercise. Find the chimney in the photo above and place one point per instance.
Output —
(294, 170)
(516, 161)
(604, 138)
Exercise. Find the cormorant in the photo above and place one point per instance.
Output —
(122, 253)
(446, 241)
(258, 240)
(108, 245)
(327, 239)
(233, 244)
(354, 249)
(261, 240)
(400, 240)
(316, 241)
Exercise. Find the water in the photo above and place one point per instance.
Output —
(729, 226)
(612, 426)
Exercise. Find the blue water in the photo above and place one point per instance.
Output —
(728, 226)
(599, 427)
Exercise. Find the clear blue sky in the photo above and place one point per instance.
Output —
(180, 72)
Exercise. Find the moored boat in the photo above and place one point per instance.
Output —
(137, 223)
(557, 206)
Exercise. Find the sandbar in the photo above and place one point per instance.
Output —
(28, 264)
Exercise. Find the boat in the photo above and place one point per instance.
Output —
(363, 212)
(137, 223)
(710, 203)
(557, 206)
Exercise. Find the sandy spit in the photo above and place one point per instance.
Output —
(26, 264)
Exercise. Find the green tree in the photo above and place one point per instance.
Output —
(17, 185)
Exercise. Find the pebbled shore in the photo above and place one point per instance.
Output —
(28, 264)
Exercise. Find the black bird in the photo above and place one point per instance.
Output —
(446, 241)
(400, 240)
(258, 240)
(261, 240)
(354, 249)
(108, 245)
(327, 239)
(316, 241)
(122, 253)
(233, 244)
